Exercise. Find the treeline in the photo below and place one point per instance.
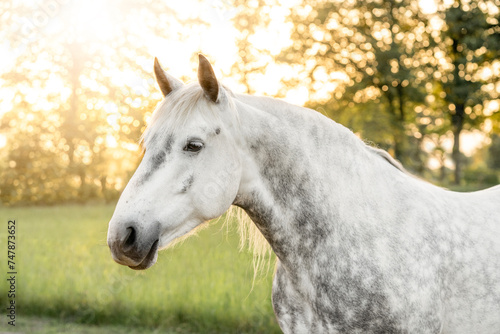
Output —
(410, 79)
(75, 100)
(410, 76)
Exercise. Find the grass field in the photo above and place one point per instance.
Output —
(68, 283)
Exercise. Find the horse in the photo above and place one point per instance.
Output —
(362, 245)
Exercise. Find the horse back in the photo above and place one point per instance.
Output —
(471, 279)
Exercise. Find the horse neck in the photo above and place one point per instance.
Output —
(302, 174)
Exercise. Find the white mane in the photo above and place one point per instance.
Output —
(388, 158)
(178, 107)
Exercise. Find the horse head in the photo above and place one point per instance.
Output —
(190, 172)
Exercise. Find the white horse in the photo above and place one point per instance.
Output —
(363, 246)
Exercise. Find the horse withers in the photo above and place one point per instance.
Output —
(363, 246)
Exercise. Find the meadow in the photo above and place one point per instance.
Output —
(67, 281)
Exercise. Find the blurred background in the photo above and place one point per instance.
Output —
(419, 79)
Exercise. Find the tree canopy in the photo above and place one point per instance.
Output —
(78, 94)
(407, 77)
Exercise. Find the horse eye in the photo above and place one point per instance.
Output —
(193, 146)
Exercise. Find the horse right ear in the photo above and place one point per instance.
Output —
(166, 82)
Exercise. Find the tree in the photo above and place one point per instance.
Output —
(467, 41)
(494, 153)
(382, 46)
(80, 93)
(386, 65)
(253, 19)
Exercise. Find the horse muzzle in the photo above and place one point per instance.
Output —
(133, 246)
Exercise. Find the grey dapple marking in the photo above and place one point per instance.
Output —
(363, 246)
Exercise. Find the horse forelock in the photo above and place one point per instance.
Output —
(178, 107)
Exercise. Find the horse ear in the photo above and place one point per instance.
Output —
(207, 79)
(166, 82)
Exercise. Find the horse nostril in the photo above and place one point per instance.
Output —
(129, 239)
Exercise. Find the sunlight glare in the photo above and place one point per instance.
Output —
(111, 141)
(93, 19)
(3, 141)
(471, 141)
(298, 96)
(428, 6)
(217, 41)
(7, 56)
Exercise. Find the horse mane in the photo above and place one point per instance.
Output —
(252, 239)
(387, 157)
(177, 108)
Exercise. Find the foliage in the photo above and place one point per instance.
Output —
(494, 153)
(381, 47)
(203, 285)
(78, 94)
(391, 62)
(249, 17)
(468, 45)
(481, 176)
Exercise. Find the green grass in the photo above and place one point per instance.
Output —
(32, 324)
(65, 272)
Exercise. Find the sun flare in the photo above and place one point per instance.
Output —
(93, 19)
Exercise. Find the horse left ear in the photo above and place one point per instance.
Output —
(207, 79)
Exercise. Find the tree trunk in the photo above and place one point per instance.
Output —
(104, 191)
(82, 191)
(442, 173)
(401, 120)
(457, 121)
(396, 126)
(72, 134)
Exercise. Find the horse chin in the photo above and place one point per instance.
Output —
(149, 260)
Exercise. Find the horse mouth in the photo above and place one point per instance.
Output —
(149, 260)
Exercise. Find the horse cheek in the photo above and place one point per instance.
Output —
(217, 194)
